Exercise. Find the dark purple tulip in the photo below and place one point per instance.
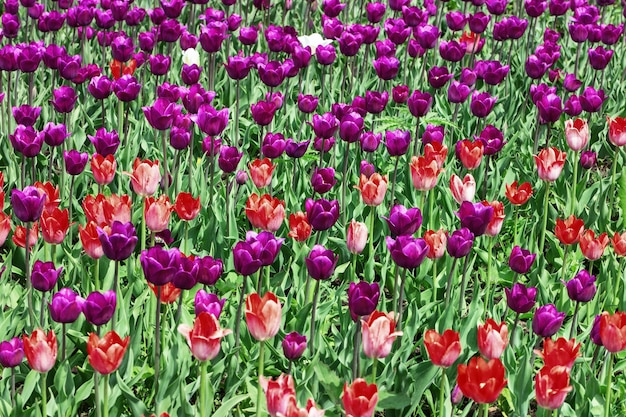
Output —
(99, 307)
(213, 35)
(120, 243)
(11, 352)
(571, 83)
(452, 51)
(188, 41)
(362, 299)
(460, 243)
(426, 36)
(558, 7)
(456, 20)
(492, 72)
(351, 127)
(547, 320)
(414, 49)
(591, 99)
(238, 67)
(159, 265)
(248, 35)
(273, 145)
(478, 22)
(325, 54)
(375, 102)
(366, 169)
(186, 274)
(433, 133)
(100, 87)
(325, 125)
(323, 180)
(211, 146)
(468, 77)
(147, 41)
(209, 303)
(535, 8)
(475, 216)
(403, 221)
(572, 106)
(482, 104)
(246, 258)
(370, 141)
(582, 288)
(438, 77)
(322, 214)
(320, 263)
(521, 260)
(29, 57)
(55, 134)
(397, 30)
(211, 121)
(375, 12)
(64, 99)
(66, 306)
(586, 14)
(599, 57)
(386, 67)
(75, 161)
(537, 92)
(28, 204)
(294, 345)
(170, 31)
(578, 32)
(535, 67)
(331, 28)
(135, 16)
(595, 331)
(209, 270)
(51, 55)
(172, 8)
(126, 88)
(406, 251)
(550, 108)
(122, 48)
(43, 275)
(266, 244)
(229, 159)
(588, 159)
(611, 33)
(233, 20)
(358, 105)
(400, 94)
(272, 73)
(332, 8)
(162, 113)
(190, 74)
(106, 143)
(26, 141)
(457, 92)
(496, 7)
(180, 137)
(349, 43)
(397, 142)
(196, 96)
(263, 112)
(69, 66)
(296, 149)
(419, 103)
(520, 298)
(10, 25)
(301, 56)
(26, 115)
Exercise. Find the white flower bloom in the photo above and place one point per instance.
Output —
(313, 41)
(191, 56)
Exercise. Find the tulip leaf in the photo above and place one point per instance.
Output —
(621, 195)
(227, 406)
(30, 383)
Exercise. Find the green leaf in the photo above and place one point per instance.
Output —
(229, 405)
(392, 401)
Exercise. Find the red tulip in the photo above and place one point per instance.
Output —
(471, 153)
(205, 336)
(424, 172)
(359, 398)
(19, 236)
(550, 163)
(373, 189)
(5, 227)
(562, 353)
(568, 231)
(103, 211)
(146, 177)
(299, 227)
(518, 195)
(443, 350)
(617, 130)
(462, 189)
(261, 172)
(495, 224)
(263, 315)
(613, 331)
(436, 151)
(592, 247)
(187, 207)
(157, 212)
(41, 350)
(480, 380)
(169, 292)
(278, 393)
(265, 212)
(492, 339)
(52, 193)
(618, 241)
(309, 411)
(54, 225)
(552, 386)
(103, 169)
(379, 332)
(105, 354)
(90, 240)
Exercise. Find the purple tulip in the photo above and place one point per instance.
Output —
(211, 121)
(126, 88)
(362, 299)
(397, 30)
(26, 115)
(375, 102)
(75, 161)
(64, 99)
(457, 92)
(322, 214)
(186, 274)
(438, 77)
(325, 125)
(482, 104)
(99, 307)
(386, 67)
(122, 48)
(550, 108)
(229, 159)
(571, 83)
(55, 134)
(66, 306)
(611, 33)
(209, 270)
(106, 143)
(572, 106)
(478, 22)
(271, 74)
(238, 67)
(400, 94)
(273, 145)
(320, 263)
(351, 127)
(406, 251)
(323, 180)
(595, 331)
(294, 345)
(521, 260)
(520, 298)
(403, 221)
(426, 36)
(460, 243)
(307, 103)
(375, 12)
(209, 303)
(419, 103)
(263, 112)
(588, 159)
(456, 20)
(350, 42)
(492, 139)
(43, 275)
(433, 133)
(266, 244)
(397, 142)
(213, 35)
(11, 352)
(475, 216)
(581, 288)
(26, 141)
(29, 57)
(120, 243)
(246, 258)
(591, 99)
(161, 114)
(27, 204)
(452, 51)
(547, 320)
(325, 54)
(190, 74)
(296, 149)
(159, 265)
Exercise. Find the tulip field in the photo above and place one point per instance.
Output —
(269, 207)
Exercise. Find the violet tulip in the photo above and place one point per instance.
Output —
(321, 262)
(406, 251)
(460, 243)
(403, 221)
(581, 288)
(521, 260)
(66, 306)
(547, 320)
(362, 299)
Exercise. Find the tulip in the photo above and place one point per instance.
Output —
(552, 386)
(482, 381)
(43, 275)
(462, 189)
(492, 140)
(273, 145)
(547, 320)
(424, 172)
(549, 163)
(103, 168)
(559, 353)
(266, 244)
(294, 345)
(588, 159)
(576, 134)
(518, 194)
(460, 243)
(322, 214)
(120, 242)
(27, 204)
(278, 393)
(205, 336)
(437, 242)
(403, 221)
(321, 262)
(265, 212)
(105, 354)
(406, 251)
(582, 287)
(323, 180)
(106, 143)
(186, 207)
(476, 217)
(591, 247)
(209, 269)
(617, 130)
(520, 298)
(521, 260)
(66, 306)
(360, 398)
(470, 153)
(159, 265)
(246, 258)
(613, 331)
(443, 349)
(362, 299)
(157, 213)
(146, 177)
(11, 352)
(41, 350)
(299, 227)
(261, 172)
(379, 334)
(99, 307)
(75, 161)
(356, 238)
(569, 231)
(373, 189)
(263, 316)
(492, 339)
(64, 99)
(482, 104)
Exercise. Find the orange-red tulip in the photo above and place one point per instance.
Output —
(360, 398)
(552, 386)
(105, 354)
(54, 225)
(299, 227)
(187, 207)
(265, 212)
(103, 169)
(205, 337)
(424, 172)
(90, 241)
(592, 247)
(617, 130)
(443, 350)
(40, 350)
(146, 177)
(437, 151)
(480, 380)
(613, 331)
(261, 172)
(518, 194)
(437, 242)
(495, 224)
(373, 189)
(471, 153)
(568, 231)
(618, 241)
(263, 315)
(19, 236)
(169, 292)
(278, 393)
(5, 227)
(52, 193)
(561, 352)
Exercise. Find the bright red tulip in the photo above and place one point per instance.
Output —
(105, 354)
(373, 189)
(613, 331)
(299, 227)
(40, 350)
(90, 241)
(169, 292)
(261, 172)
(146, 177)
(518, 195)
(278, 393)
(359, 398)
(424, 172)
(52, 193)
(19, 236)
(471, 153)
(54, 225)
(550, 162)
(104, 210)
(492, 339)
(592, 247)
(379, 332)
(205, 337)
(618, 241)
(443, 350)
(552, 386)
(617, 130)
(561, 352)
(157, 212)
(265, 212)
(103, 169)
(480, 380)
(437, 151)
(568, 231)
(263, 315)
(122, 68)
(187, 207)
(495, 224)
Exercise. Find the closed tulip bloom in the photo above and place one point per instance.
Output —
(458, 92)
(588, 159)
(273, 145)
(41, 350)
(406, 251)
(462, 189)
(161, 114)
(43, 276)
(359, 398)
(103, 168)
(263, 315)
(443, 349)
(619, 243)
(547, 320)
(362, 299)
(492, 139)
(520, 298)
(106, 143)
(105, 354)
(159, 265)
(617, 130)
(424, 172)
(592, 247)
(229, 159)
(550, 108)
(475, 216)
(599, 57)
(99, 307)
(576, 134)
(373, 189)
(323, 180)
(261, 172)
(356, 238)
(613, 331)
(186, 206)
(75, 161)
(591, 100)
(521, 260)
(65, 306)
(294, 345)
(550, 162)
(518, 194)
(322, 214)
(552, 386)
(482, 104)
(296, 149)
(397, 142)
(470, 153)
(265, 212)
(570, 230)
(492, 339)
(559, 353)
(11, 352)
(460, 242)
(157, 213)
(27, 204)
(5, 227)
(246, 258)
(321, 262)
(419, 103)
(370, 141)
(266, 244)
(146, 177)
(482, 381)
(299, 227)
(437, 242)
(379, 333)
(403, 221)
(205, 337)
(208, 303)
(278, 393)
(581, 288)
(118, 243)
(209, 269)
(64, 99)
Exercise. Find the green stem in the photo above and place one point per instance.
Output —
(486, 410)
(488, 290)
(564, 267)
(96, 274)
(572, 331)
(612, 189)
(609, 376)
(371, 236)
(239, 307)
(44, 395)
(449, 285)
(166, 173)
(442, 391)
(357, 350)
(434, 260)
(401, 298)
(63, 341)
(97, 394)
(259, 396)
(13, 390)
(393, 182)
(515, 221)
(29, 285)
(203, 374)
(374, 365)
(316, 297)
(546, 203)
(463, 282)
(115, 285)
(573, 198)
(105, 396)
(143, 226)
(354, 266)
(394, 290)
(432, 219)
(157, 349)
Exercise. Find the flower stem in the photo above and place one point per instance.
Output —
(401, 298)
(612, 189)
(13, 389)
(316, 297)
(546, 203)
(609, 376)
(393, 182)
(463, 282)
(31, 311)
(44, 395)
(97, 394)
(371, 260)
(157, 349)
(488, 289)
(394, 290)
(259, 396)
(105, 397)
(573, 197)
(239, 306)
(515, 226)
(449, 285)
(357, 350)
(486, 410)
(166, 173)
(442, 390)
(203, 374)
(512, 338)
(374, 364)
(115, 285)
(63, 341)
